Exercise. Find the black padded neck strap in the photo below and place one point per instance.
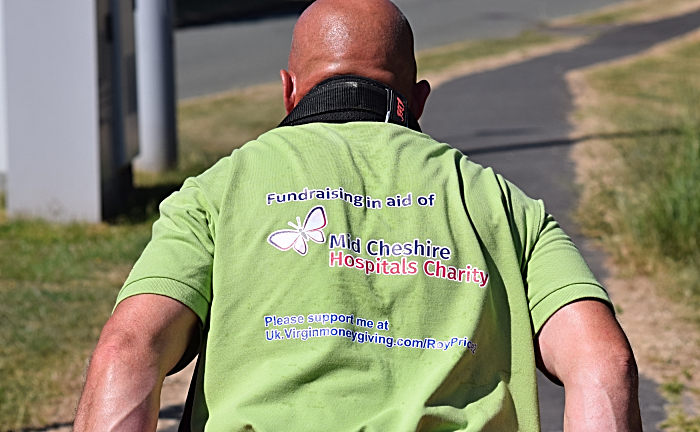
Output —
(348, 98)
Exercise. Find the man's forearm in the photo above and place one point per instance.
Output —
(583, 346)
(122, 392)
(603, 397)
(141, 342)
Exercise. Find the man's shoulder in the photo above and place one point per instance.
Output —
(406, 149)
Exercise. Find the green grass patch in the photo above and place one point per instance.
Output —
(643, 200)
(672, 389)
(211, 127)
(58, 284)
(611, 17)
(629, 12)
(47, 334)
(436, 59)
(679, 421)
(647, 198)
(35, 251)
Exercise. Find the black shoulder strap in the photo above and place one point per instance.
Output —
(346, 98)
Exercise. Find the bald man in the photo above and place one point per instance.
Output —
(346, 272)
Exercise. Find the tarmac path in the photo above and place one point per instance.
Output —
(219, 57)
(514, 119)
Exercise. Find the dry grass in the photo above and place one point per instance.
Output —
(447, 56)
(656, 282)
(58, 284)
(632, 11)
(517, 54)
(222, 122)
(211, 127)
(48, 332)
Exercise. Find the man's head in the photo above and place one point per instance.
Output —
(370, 38)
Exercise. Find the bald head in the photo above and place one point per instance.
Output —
(369, 38)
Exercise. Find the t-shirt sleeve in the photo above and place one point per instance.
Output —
(556, 274)
(178, 260)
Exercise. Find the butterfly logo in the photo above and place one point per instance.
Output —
(311, 230)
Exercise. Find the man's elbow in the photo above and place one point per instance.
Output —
(606, 392)
(607, 367)
(111, 356)
(625, 367)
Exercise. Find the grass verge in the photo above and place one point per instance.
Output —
(645, 199)
(57, 288)
(211, 127)
(631, 11)
(641, 197)
(678, 419)
(441, 58)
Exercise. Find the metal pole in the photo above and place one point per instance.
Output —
(3, 101)
(156, 85)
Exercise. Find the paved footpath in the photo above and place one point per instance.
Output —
(219, 57)
(514, 119)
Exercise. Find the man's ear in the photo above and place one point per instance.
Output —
(420, 94)
(288, 90)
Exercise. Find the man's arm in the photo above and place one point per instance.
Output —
(583, 346)
(143, 340)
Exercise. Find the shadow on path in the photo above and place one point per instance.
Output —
(514, 119)
(171, 412)
(571, 141)
(531, 99)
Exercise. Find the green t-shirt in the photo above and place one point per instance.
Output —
(361, 276)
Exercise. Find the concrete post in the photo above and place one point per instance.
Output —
(156, 85)
(51, 94)
(70, 108)
(3, 104)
